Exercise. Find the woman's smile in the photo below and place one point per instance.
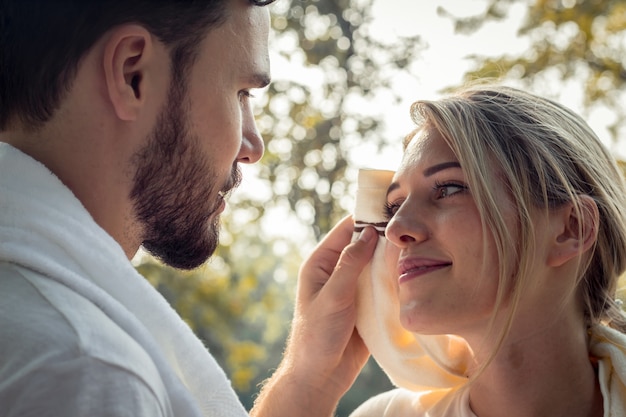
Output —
(413, 267)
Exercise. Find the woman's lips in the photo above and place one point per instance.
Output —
(410, 268)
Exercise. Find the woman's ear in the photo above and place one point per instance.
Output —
(575, 230)
(127, 53)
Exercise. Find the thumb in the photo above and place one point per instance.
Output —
(350, 264)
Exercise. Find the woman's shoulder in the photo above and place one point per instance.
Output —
(404, 403)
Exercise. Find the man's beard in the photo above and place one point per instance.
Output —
(175, 191)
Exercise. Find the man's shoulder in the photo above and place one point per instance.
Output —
(35, 306)
(45, 323)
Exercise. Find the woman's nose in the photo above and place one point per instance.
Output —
(406, 228)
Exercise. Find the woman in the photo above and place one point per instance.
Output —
(506, 236)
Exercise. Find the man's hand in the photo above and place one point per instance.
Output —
(324, 353)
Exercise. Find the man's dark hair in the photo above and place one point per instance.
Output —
(42, 42)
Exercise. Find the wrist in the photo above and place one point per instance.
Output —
(289, 393)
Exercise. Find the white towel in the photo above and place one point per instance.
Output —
(44, 227)
(411, 361)
(437, 365)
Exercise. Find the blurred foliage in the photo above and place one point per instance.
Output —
(309, 127)
(240, 303)
(583, 41)
(306, 121)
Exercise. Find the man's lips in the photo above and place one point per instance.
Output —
(224, 192)
(222, 195)
(233, 182)
(412, 267)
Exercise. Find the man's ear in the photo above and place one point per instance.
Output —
(127, 52)
(576, 231)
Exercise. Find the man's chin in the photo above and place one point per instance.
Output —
(182, 256)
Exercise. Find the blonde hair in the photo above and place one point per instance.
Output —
(546, 156)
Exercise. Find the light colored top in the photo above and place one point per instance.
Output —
(606, 344)
(401, 402)
(82, 333)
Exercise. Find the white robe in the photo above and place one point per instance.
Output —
(52, 253)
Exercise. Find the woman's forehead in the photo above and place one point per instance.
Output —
(427, 146)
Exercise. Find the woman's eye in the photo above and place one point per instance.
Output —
(391, 208)
(448, 189)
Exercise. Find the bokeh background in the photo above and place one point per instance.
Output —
(344, 75)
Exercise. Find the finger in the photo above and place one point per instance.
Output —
(340, 235)
(358, 350)
(350, 265)
(315, 271)
(329, 249)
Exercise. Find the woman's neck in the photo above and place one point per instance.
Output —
(547, 372)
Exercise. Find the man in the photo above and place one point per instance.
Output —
(122, 123)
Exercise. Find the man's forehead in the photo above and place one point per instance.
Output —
(245, 38)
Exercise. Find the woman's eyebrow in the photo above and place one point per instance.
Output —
(428, 172)
(440, 167)
(392, 187)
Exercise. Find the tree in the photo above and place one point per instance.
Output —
(576, 48)
(309, 121)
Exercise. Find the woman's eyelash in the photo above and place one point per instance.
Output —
(448, 189)
(441, 189)
(390, 209)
